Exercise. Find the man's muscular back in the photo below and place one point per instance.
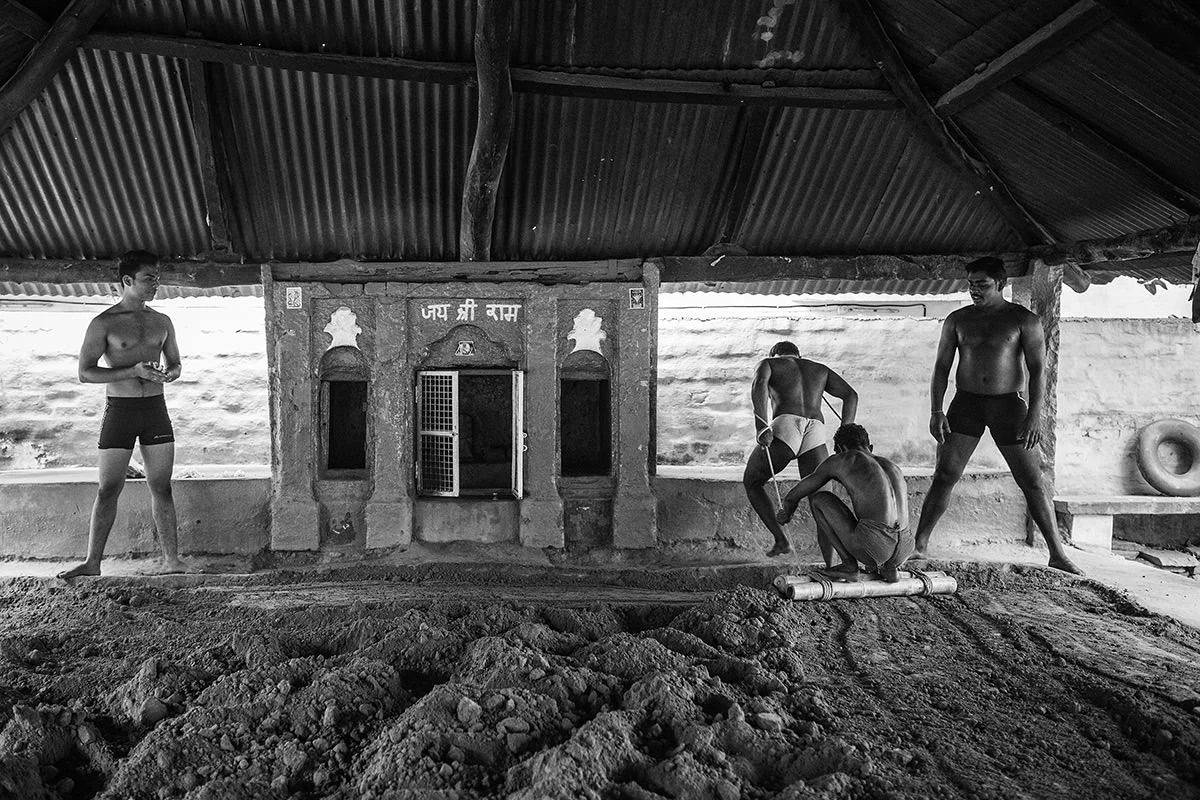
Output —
(989, 342)
(796, 386)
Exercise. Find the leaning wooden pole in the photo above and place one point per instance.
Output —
(48, 57)
(492, 131)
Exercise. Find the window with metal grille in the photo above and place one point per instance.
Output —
(469, 432)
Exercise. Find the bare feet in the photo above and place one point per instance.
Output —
(86, 568)
(173, 566)
(917, 555)
(780, 548)
(784, 515)
(1064, 563)
(842, 572)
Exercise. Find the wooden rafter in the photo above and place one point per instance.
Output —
(544, 272)
(47, 57)
(533, 81)
(21, 19)
(493, 129)
(1184, 237)
(1034, 50)
(951, 145)
(1102, 145)
(745, 269)
(201, 274)
(1171, 26)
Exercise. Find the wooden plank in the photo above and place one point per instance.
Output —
(493, 129)
(48, 57)
(947, 141)
(574, 84)
(749, 269)
(1170, 26)
(1036, 49)
(1142, 244)
(1100, 144)
(536, 81)
(202, 125)
(572, 272)
(200, 274)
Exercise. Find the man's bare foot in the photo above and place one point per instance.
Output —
(785, 513)
(842, 572)
(169, 567)
(917, 555)
(780, 548)
(1064, 563)
(85, 568)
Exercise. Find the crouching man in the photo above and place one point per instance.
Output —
(874, 537)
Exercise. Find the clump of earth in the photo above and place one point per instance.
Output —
(1023, 684)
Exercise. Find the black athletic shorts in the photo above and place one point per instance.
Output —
(1002, 414)
(127, 419)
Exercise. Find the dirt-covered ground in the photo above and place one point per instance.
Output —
(1024, 685)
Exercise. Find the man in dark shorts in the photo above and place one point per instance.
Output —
(996, 342)
(874, 538)
(786, 393)
(132, 339)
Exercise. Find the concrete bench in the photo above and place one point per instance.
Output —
(1089, 518)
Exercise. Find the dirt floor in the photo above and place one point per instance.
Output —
(1026, 684)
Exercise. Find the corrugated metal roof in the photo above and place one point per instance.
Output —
(824, 286)
(1077, 194)
(102, 162)
(1141, 98)
(113, 290)
(339, 165)
(607, 178)
(853, 181)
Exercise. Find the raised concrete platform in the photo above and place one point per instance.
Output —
(1088, 519)
(220, 509)
(706, 506)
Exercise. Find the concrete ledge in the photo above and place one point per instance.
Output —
(45, 513)
(1088, 519)
(707, 507)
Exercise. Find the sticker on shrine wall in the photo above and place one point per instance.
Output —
(295, 297)
(637, 298)
(465, 348)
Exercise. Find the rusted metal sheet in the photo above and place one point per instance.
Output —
(339, 166)
(605, 178)
(102, 162)
(1076, 194)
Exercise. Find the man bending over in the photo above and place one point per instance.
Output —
(786, 393)
(874, 537)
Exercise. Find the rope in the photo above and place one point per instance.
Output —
(825, 584)
(926, 581)
(771, 464)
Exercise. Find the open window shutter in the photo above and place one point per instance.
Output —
(437, 433)
(518, 433)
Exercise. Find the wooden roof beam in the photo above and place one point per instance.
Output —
(533, 81)
(22, 19)
(1036, 49)
(48, 57)
(493, 129)
(951, 145)
(200, 274)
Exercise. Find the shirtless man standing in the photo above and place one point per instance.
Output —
(131, 338)
(996, 342)
(787, 389)
(874, 537)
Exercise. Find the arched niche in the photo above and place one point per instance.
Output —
(585, 415)
(345, 414)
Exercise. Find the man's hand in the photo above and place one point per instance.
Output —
(1030, 432)
(766, 436)
(149, 371)
(939, 426)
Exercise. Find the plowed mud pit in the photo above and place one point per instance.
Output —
(1024, 685)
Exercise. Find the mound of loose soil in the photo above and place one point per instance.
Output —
(1024, 685)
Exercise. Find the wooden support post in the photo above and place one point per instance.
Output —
(48, 57)
(202, 125)
(948, 142)
(1045, 288)
(493, 129)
